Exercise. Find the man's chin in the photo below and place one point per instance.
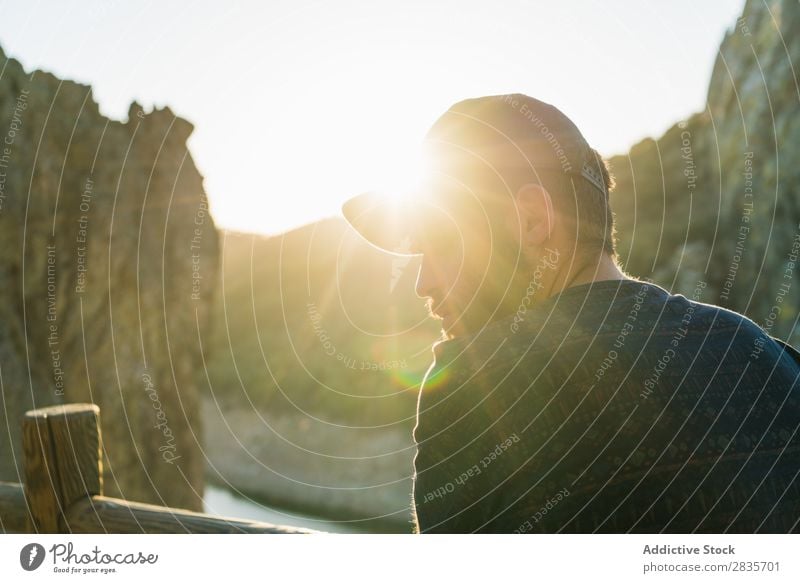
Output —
(456, 327)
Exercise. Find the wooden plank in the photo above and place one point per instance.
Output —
(77, 441)
(61, 448)
(100, 514)
(14, 513)
(63, 485)
(41, 480)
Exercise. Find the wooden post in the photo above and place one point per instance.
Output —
(14, 516)
(63, 462)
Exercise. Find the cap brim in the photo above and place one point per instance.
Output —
(386, 223)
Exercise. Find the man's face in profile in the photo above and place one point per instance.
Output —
(471, 268)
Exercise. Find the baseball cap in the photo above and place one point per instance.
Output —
(476, 139)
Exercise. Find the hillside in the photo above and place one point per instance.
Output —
(717, 198)
(317, 354)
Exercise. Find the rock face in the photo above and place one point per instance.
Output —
(716, 200)
(108, 257)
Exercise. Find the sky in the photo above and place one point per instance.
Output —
(298, 105)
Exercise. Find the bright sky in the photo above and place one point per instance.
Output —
(299, 104)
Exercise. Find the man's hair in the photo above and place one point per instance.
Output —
(587, 209)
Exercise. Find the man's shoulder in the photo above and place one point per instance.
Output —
(732, 328)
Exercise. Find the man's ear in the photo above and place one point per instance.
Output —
(533, 220)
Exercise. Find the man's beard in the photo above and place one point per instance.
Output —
(497, 298)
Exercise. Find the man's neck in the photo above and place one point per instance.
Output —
(605, 268)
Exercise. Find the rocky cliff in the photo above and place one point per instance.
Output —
(108, 258)
(716, 200)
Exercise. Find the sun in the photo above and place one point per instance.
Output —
(403, 178)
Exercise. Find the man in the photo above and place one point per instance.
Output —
(566, 396)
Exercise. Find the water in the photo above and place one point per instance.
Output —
(221, 502)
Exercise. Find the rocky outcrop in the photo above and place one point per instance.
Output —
(716, 200)
(108, 257)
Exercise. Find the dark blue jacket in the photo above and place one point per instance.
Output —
(611, 407)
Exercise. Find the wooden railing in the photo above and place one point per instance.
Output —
(63, 486)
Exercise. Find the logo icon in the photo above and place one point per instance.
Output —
(31, 556)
